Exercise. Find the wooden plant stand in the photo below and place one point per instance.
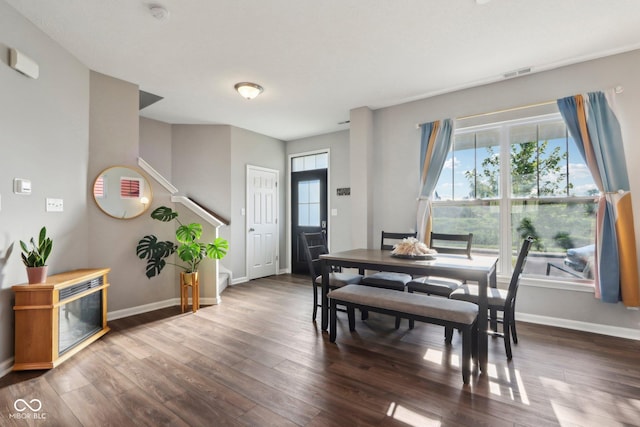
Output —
(189, 280)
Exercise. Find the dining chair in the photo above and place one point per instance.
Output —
(500, 300)
(314, 245)
(459, 244)
(386, 279)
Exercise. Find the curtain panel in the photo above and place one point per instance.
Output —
(595, 128)
(435, 143)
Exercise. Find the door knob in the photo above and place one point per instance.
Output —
(251, 229)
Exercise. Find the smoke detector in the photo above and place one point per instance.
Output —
(158, 12)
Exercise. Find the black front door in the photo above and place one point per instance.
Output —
(308, 211)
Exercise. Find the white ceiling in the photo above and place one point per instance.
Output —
(318, 59)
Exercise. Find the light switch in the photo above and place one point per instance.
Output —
(55, 205)
(334, 212)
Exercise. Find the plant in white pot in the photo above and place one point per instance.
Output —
(34, 257)
(189, 249)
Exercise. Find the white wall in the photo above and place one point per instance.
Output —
(44, 131)
(396, 160)
(339, 177)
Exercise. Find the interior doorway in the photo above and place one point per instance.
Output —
(309, 207)
(262, 222)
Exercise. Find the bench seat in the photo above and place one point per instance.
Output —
(455, 314)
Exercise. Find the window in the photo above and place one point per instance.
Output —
(130, 188)
(99, 190)
(507, 180)
(310, 162)
(309, 203)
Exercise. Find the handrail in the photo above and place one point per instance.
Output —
(157, 176)
(198, 210)
(210, 212)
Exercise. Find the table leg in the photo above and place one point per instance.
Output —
(483, 345)
(325, 301)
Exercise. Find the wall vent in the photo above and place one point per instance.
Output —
(517, 73)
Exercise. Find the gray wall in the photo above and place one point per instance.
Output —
(201, 164)
(339, 170)
(155, 145)
(208, 163)
(250, 148)
(396, 146)
(44, 131)
(114, 135)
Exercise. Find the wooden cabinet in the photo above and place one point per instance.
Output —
(57, 319)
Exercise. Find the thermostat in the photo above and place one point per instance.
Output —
(21, 186)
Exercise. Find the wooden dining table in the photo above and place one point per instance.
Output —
(480, 269)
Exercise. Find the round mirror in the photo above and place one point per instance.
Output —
(122, 192)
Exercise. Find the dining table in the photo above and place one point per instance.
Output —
(479, 268)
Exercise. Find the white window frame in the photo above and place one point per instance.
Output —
(505, 200)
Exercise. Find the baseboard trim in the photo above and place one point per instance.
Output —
(208, 301)
(6, 367)
(239, 280)
(614, 331)
(132, 311)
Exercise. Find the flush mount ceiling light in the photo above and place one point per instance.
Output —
(248, 90)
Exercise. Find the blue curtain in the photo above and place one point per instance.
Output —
(435, 143)
(595, 128)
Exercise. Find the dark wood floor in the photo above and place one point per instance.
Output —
(257, 359)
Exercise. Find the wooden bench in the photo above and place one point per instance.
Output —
(459, 315)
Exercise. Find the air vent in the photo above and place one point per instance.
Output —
(517, 73)
(79, 288)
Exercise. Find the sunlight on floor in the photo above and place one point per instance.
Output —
(436, 356)
(510, 383)
(597, 407)
(572, 417)
(412, 418)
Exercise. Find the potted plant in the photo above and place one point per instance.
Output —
(35, 257)
(189, 249)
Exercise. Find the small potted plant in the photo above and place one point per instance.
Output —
(35, 257)
(189, 249)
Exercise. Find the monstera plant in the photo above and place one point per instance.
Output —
(189, 249)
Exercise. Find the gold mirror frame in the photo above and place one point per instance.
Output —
(122, 192)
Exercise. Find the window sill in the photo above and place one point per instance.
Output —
(549, 283)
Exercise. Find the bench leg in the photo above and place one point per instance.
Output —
(398, 319)
(351, 313)
(333, 312)
(466, 353)
(364, 314)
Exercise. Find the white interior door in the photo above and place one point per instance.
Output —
(262, 222)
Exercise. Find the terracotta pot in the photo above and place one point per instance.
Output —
(37, 275)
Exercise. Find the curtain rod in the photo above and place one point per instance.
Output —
(617, 89)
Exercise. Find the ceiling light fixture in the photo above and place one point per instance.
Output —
(248, 90)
